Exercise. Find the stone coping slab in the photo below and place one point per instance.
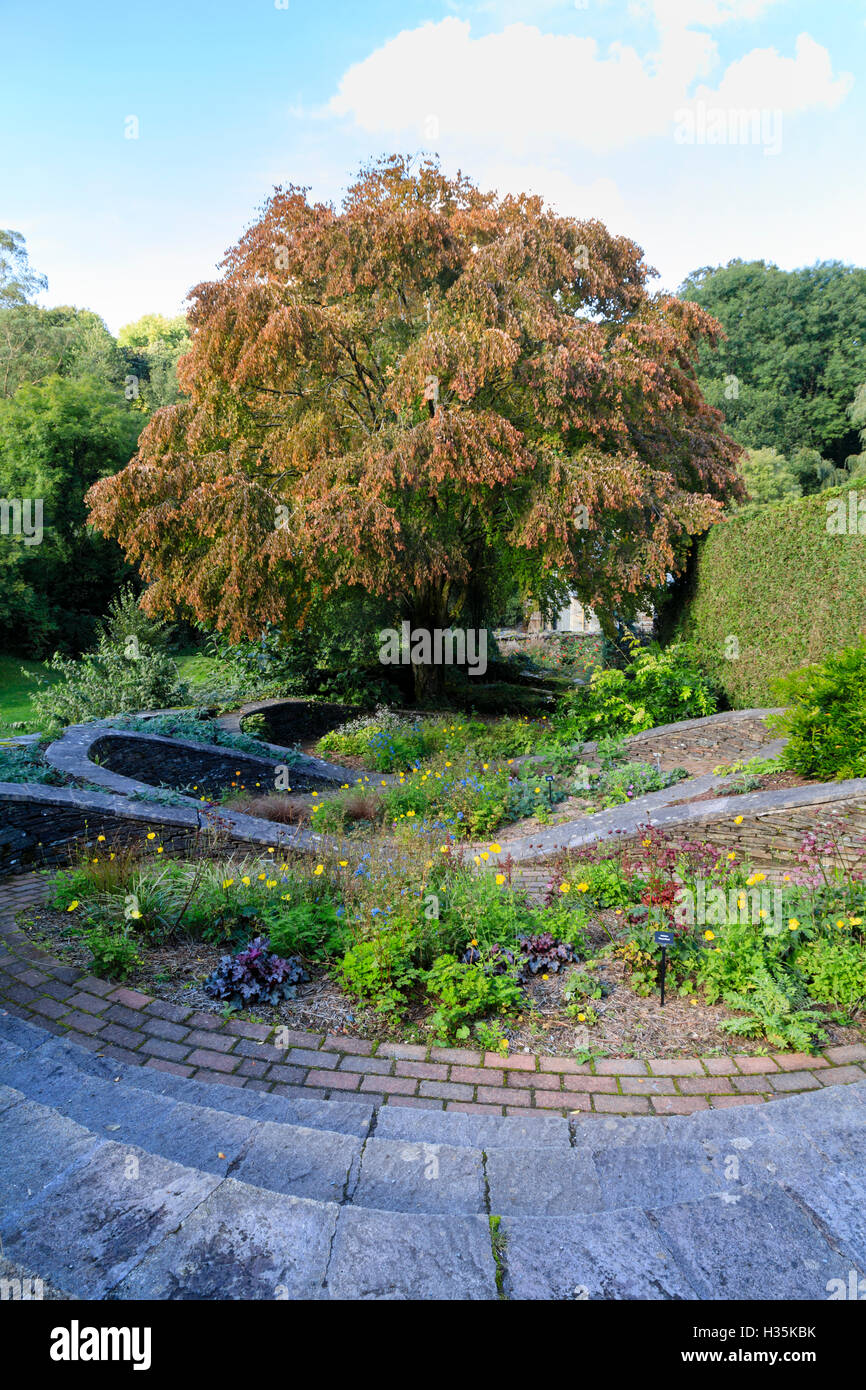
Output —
(135, 1028)
(188, 818)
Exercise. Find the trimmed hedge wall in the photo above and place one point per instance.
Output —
(788, 589)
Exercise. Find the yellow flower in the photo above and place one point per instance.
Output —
(245, 881)
(476, 859)
(504, 1044)
(447, 765)
(545, 977)
(738, 820)
(152, 833)
(473, 942)
(565, 887)
(793, 924)
(319, 869)
(756, 878)
(646, 843)
(583, 888)
(732, 854)
(581, 1018)
(261, 876)
(500, 879)
(410, 813)
(344, 863)
(709, 936)
(484, 854)
(495, 849)
(227, 882)
(443, 849)
(73, 905)
(100, 839)
(271, 883)
(160, 850)
(270, 851)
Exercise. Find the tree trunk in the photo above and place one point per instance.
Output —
(429, 684)
(427, 614)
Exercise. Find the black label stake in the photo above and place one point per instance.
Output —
(664, 939)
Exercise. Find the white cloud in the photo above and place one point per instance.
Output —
(764, 78)
(528, 91)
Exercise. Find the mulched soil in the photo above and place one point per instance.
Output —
(629, 1024)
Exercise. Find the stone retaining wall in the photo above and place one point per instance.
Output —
(39, 825)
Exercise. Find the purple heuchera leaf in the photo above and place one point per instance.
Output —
(255, 976)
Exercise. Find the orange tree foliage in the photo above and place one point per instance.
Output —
(309, 455)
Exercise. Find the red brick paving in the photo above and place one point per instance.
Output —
(130, 1026)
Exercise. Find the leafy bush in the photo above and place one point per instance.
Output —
(778, 1009)
(387, 742)
(658, 687)
(114, 953)
(836, 970)
(623, 784)
(378, 970)
(826, 722)
(314, 930)
(104, 682)
(466, 992)
(255, 976)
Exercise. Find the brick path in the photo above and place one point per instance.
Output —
(134, 1028)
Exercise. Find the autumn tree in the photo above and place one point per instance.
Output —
(427, 393)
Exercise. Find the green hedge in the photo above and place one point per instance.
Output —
(790, 591)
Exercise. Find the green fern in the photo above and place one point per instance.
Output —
(775, 1010)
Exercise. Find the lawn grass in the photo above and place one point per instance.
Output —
(200, 670)
(16, 691)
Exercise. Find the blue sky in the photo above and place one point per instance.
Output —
(599, 106)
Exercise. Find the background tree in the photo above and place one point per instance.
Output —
(428, 393)
(18, 282)
(793, 356)
(152, 348)
(769, 477)
(56, 439)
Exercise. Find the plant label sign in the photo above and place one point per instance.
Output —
(664, 939)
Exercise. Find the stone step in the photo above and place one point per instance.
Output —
(345, 1117)
(102, 1219)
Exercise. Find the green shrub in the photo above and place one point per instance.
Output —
(658, 687)
(114, 952)
(787, 588)
(836, 970)
(463, 993)
(378, 971)
(825, 723)
(104, 682)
